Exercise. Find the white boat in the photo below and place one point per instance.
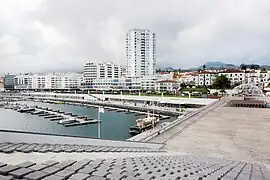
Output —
(143, 124)
(67, 121)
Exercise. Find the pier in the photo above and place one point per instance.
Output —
(82, 123)
(68, 118)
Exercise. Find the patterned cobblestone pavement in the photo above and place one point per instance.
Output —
(135, 168)
(43, 148)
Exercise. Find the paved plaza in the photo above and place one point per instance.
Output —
(233, 133)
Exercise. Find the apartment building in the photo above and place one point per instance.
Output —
(118, 84)
(93, 70)
(48, 81)
(167, 85)
(140, 53)
(206, 78)
(188, 78)
(236, 76)
(146, 83)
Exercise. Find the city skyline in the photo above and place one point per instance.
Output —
(47, 35)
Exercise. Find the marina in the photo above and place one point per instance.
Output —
(162, 114)
(66, 119)
(121, 121)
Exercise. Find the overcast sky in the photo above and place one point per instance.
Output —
(41, 35)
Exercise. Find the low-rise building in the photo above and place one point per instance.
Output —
(118, 84)
(93, 70)
(48, 81)
(206, 78)
(234, 75)
(167, 85)
(188, 78)
(146, 83)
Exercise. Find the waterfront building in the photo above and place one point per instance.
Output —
(48, 81)
(140, 53)
(93, 70)
(167, 85)
(118, 84)
(9, 81)
(146, 83)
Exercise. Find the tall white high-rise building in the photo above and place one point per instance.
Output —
(140, 53)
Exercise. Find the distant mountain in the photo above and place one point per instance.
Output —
(216, 65)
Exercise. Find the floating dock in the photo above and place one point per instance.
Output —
(82, 123)
(129, 112)
(140, 114)
(51, 116)
(57, 118)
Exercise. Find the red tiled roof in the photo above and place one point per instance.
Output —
(167, 81)
(250, 71)
(207, 72)
(191, 73)
(231, 71)
(164, 73)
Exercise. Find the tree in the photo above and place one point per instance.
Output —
(243, 67)
(221, 82)
(183, 85)
(252, 66)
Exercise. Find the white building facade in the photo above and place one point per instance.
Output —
(206, 78)
(234, 75)
(93, 70)
(117, 84)
(48, 81)
(140, 53)
(167, 85)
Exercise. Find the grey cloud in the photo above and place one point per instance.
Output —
(64, 34)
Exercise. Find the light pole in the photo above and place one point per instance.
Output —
(204, 80)
(203, 76)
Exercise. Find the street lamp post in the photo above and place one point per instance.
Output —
(204, 79)
(203, 76)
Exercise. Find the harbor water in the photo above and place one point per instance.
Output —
(114, 125)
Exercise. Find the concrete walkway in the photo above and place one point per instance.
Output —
(224, 132)
(184, 123)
